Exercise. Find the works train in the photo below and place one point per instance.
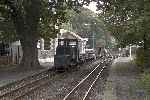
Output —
(68, 54)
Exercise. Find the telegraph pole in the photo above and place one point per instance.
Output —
(93, 40)
(94, 35)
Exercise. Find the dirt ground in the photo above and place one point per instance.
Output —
(122, 81)
(9, 74)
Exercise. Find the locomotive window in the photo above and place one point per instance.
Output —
(72, 43)
(61, 43)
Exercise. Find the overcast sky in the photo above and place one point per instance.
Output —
(92, 7)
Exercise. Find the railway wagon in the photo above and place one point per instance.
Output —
(67, 53)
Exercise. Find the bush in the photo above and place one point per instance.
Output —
(146, 59)
(145, 82)
(140, 58)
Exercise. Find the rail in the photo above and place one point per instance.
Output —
(17, 88)
(98, 68)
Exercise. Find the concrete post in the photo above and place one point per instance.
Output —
(42, 44)
(130, 51)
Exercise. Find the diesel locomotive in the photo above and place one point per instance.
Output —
(67, 53)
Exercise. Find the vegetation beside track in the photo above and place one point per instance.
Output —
(125, 82)
(144, 82)
(142, 61)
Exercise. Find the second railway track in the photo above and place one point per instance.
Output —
(19, 88)
(83, 88)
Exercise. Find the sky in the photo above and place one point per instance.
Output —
(92, 7)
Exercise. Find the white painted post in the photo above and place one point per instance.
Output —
(42, 44)
(130, 51)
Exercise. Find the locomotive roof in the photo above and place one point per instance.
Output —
(68, 39)
(69, 34)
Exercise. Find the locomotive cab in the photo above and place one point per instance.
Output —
(67, 53)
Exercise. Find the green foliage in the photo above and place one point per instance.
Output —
(140, 58)
(7, 30)
(145, 82)
(125, 18)
(51, 17)
(146, 59)
(129, 22)
(48, 14)
(85, 23)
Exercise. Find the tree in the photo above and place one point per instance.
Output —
(125, 18)
(86, 23)
(128, 20)
(28, 18)
(32, 19)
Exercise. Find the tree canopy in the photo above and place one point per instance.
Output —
(129, 22)
(31, 19)
(126, 19)
(86, 23)
(28, 20)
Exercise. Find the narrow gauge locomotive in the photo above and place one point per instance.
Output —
(67, 53)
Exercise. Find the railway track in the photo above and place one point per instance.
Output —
(17, 90)
(83, 88)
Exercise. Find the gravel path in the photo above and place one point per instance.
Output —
(121, 83)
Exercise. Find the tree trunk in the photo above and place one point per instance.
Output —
(26, 15)
(30, 54)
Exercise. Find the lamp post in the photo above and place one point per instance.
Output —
(130, 50)
(93, 40)
(93, 34)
